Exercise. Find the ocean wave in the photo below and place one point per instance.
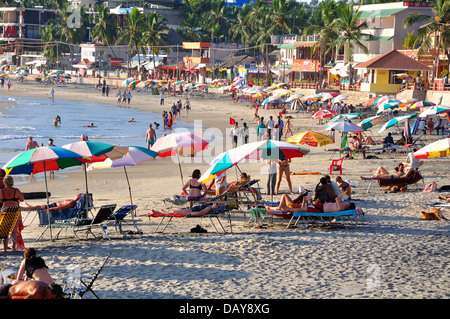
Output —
(15, 137)
(11, 127)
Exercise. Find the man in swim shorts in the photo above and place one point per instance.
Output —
(31, 289)
(150, 137)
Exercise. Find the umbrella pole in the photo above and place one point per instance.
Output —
(181, 172)
(48, 203)
(129, 187)
(87, 191)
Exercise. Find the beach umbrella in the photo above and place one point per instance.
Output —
(434, 110)
(179, 144)
(370, 122)
(323, 114)
(310, 138)
(389, 104)
(136, 155)
(267, 149)
(294, 97)
(339, 98)
(395, 121)
(95, 152)
(43, 159)
(259, 94)
(371, 101)
(421, 104)
(329, 95)
(439, 148)
(134, 83)
(128, 81)
(380, 100)
(313, 97)
(344, 127)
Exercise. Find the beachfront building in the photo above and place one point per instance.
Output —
(204, 55)
(19, 30)
(297, 63)
(383, 73)
(101, 58)
(385, 33)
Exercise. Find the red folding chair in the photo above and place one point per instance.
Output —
(337, 163)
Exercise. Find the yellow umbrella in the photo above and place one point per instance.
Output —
(311, 138)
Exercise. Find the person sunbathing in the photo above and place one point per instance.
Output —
(198, 210)
(317, 207)
(381, 173)
(300, 201)
(344, 187)
(445, 197)
(34, 267)
(68, 203)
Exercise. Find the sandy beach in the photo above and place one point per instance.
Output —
(391, 254)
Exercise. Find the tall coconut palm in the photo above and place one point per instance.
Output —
(241, 28)
(350, 32)
(48, 37)
(104, 30)
(132, 32)
(436, 27)
(218, 18)
(282, 11)
(155, 34)
(322, 26)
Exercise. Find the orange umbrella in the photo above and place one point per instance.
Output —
(311, 138)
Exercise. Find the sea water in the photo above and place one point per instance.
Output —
(21, 117)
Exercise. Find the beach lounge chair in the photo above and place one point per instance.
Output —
(82, 224)
(8, 220)
(327, 219)
(216, 213)
(411, 179)
(75, 286)
(118, 218)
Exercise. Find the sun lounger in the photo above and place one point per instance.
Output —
(84, 224)
(118, 218)
(169, 215)
(347, 216)
(412, 179)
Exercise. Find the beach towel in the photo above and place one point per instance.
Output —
(432, 187)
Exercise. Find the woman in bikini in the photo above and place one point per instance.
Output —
(337, 206)
(344, 186)
(195, 188)
(283, 167)
(10, 197)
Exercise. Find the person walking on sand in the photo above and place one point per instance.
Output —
(9, 84)
(150, 137)
(52, 95)
(162, 98)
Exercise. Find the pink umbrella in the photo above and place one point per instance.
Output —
(323, 114)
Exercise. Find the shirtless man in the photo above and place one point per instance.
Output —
(31, 289)
(68, 203)
(31, 144)
(198, 210)
(150, 137)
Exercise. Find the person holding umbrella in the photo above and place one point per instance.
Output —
(10, 197)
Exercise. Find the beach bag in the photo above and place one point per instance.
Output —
(432, 187)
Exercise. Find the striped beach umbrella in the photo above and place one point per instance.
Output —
(434, 110)
(323, 114)
(395, 121)
(440, 148)
(421, 104)
(369, 122)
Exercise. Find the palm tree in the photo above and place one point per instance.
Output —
(241, 27)
(132, 32)
(190, 29)
(437, 28)
(349, 31)
(282, 16)
(218, 18)
(322, 26)
(48, 37)
(65, 31)
(155, 34)
(104, 30)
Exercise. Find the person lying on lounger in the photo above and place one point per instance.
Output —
(381, 172)
(68, 203)
(316, 207)
(300, 201)
(198, 210)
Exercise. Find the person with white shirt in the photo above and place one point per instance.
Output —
(269, 126)
(235, 132)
